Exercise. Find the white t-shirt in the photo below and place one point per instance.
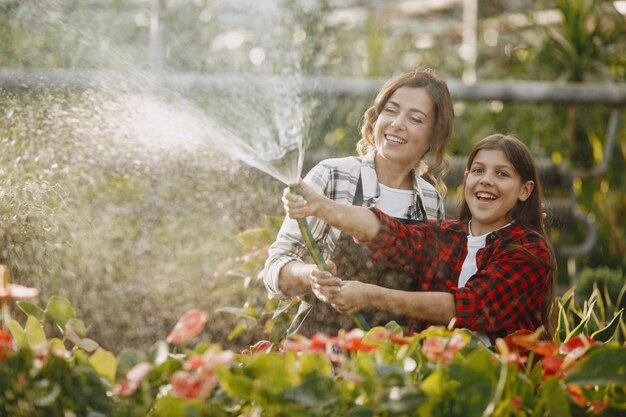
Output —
(394, 202)
(469, 268)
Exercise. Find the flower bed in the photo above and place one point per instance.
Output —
(438, 372)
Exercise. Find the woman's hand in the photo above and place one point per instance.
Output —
(344, 296)
(323, 283)
(298, 206)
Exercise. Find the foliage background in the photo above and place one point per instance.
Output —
(97, 205)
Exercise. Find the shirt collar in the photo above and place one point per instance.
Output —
(369, 180)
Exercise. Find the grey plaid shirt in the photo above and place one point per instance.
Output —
(337, 178)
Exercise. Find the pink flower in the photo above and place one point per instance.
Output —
(133, 380)
(18, 292)
(188, 326)
(332, 347)
(198, 378)
(441, 348)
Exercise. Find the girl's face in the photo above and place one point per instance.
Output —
(492, 189)
(403, 128)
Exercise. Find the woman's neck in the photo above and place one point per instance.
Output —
(392, 175)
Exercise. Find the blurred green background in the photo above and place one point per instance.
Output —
(112, 196)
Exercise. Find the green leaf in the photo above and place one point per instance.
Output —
(75, 331)
(433, 384)
(128, 358)
(239, 329)
(59, 311)
(315, 365)
(603, 365)
(605, 334)
(31, 309)
(18, 334)
(583, 324)
(104, 363)
(34, 332)
(247, 312)
(169, 406)
(239, 386)
(255, 237)
(552, 399)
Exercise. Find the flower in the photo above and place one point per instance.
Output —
(443, 348)
(188, 326)
(134, 377)
(17, 292)
(351, 341)
(198, 377)
(6, 345)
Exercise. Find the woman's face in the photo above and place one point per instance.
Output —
(403, 128)
(492, 188)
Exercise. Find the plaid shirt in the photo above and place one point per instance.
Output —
(504, 295)
(337, 179)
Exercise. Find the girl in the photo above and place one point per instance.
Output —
(492, 271)
(412, 115)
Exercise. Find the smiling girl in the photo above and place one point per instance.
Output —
(491, 271)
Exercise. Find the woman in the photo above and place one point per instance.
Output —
(492, 271)
(412, 115)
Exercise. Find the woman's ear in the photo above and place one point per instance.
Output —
(526, 190)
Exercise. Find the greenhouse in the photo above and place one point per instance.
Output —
(145, 146)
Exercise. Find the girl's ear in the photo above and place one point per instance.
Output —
(526, 190)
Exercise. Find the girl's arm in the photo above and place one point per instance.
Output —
(359, 222)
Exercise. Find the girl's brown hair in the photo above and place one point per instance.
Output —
(442, 130)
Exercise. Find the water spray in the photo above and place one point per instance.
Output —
(316, 254)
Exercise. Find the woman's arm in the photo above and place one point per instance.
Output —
(359, 222)
(287, 268)
(351, 296)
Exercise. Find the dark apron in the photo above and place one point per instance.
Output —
(354, 263)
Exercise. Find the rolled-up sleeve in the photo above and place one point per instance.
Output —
(289, 245)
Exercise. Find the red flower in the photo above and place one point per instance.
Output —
(332, 346)
(398, 339)
(187, 385)
(525, 340)
(262, 346)
(516, 402)
(6, 345)
(598, 406)
(188, 326)
(551, 365)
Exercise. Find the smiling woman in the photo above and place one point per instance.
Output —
(492, 271)
(411, 116)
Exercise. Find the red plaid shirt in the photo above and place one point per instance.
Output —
(504, 295)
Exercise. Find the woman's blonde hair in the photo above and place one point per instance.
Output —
(442, 129)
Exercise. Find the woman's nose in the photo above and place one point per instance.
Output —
(397, 122)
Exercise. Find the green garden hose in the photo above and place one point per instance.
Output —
(316, 254)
